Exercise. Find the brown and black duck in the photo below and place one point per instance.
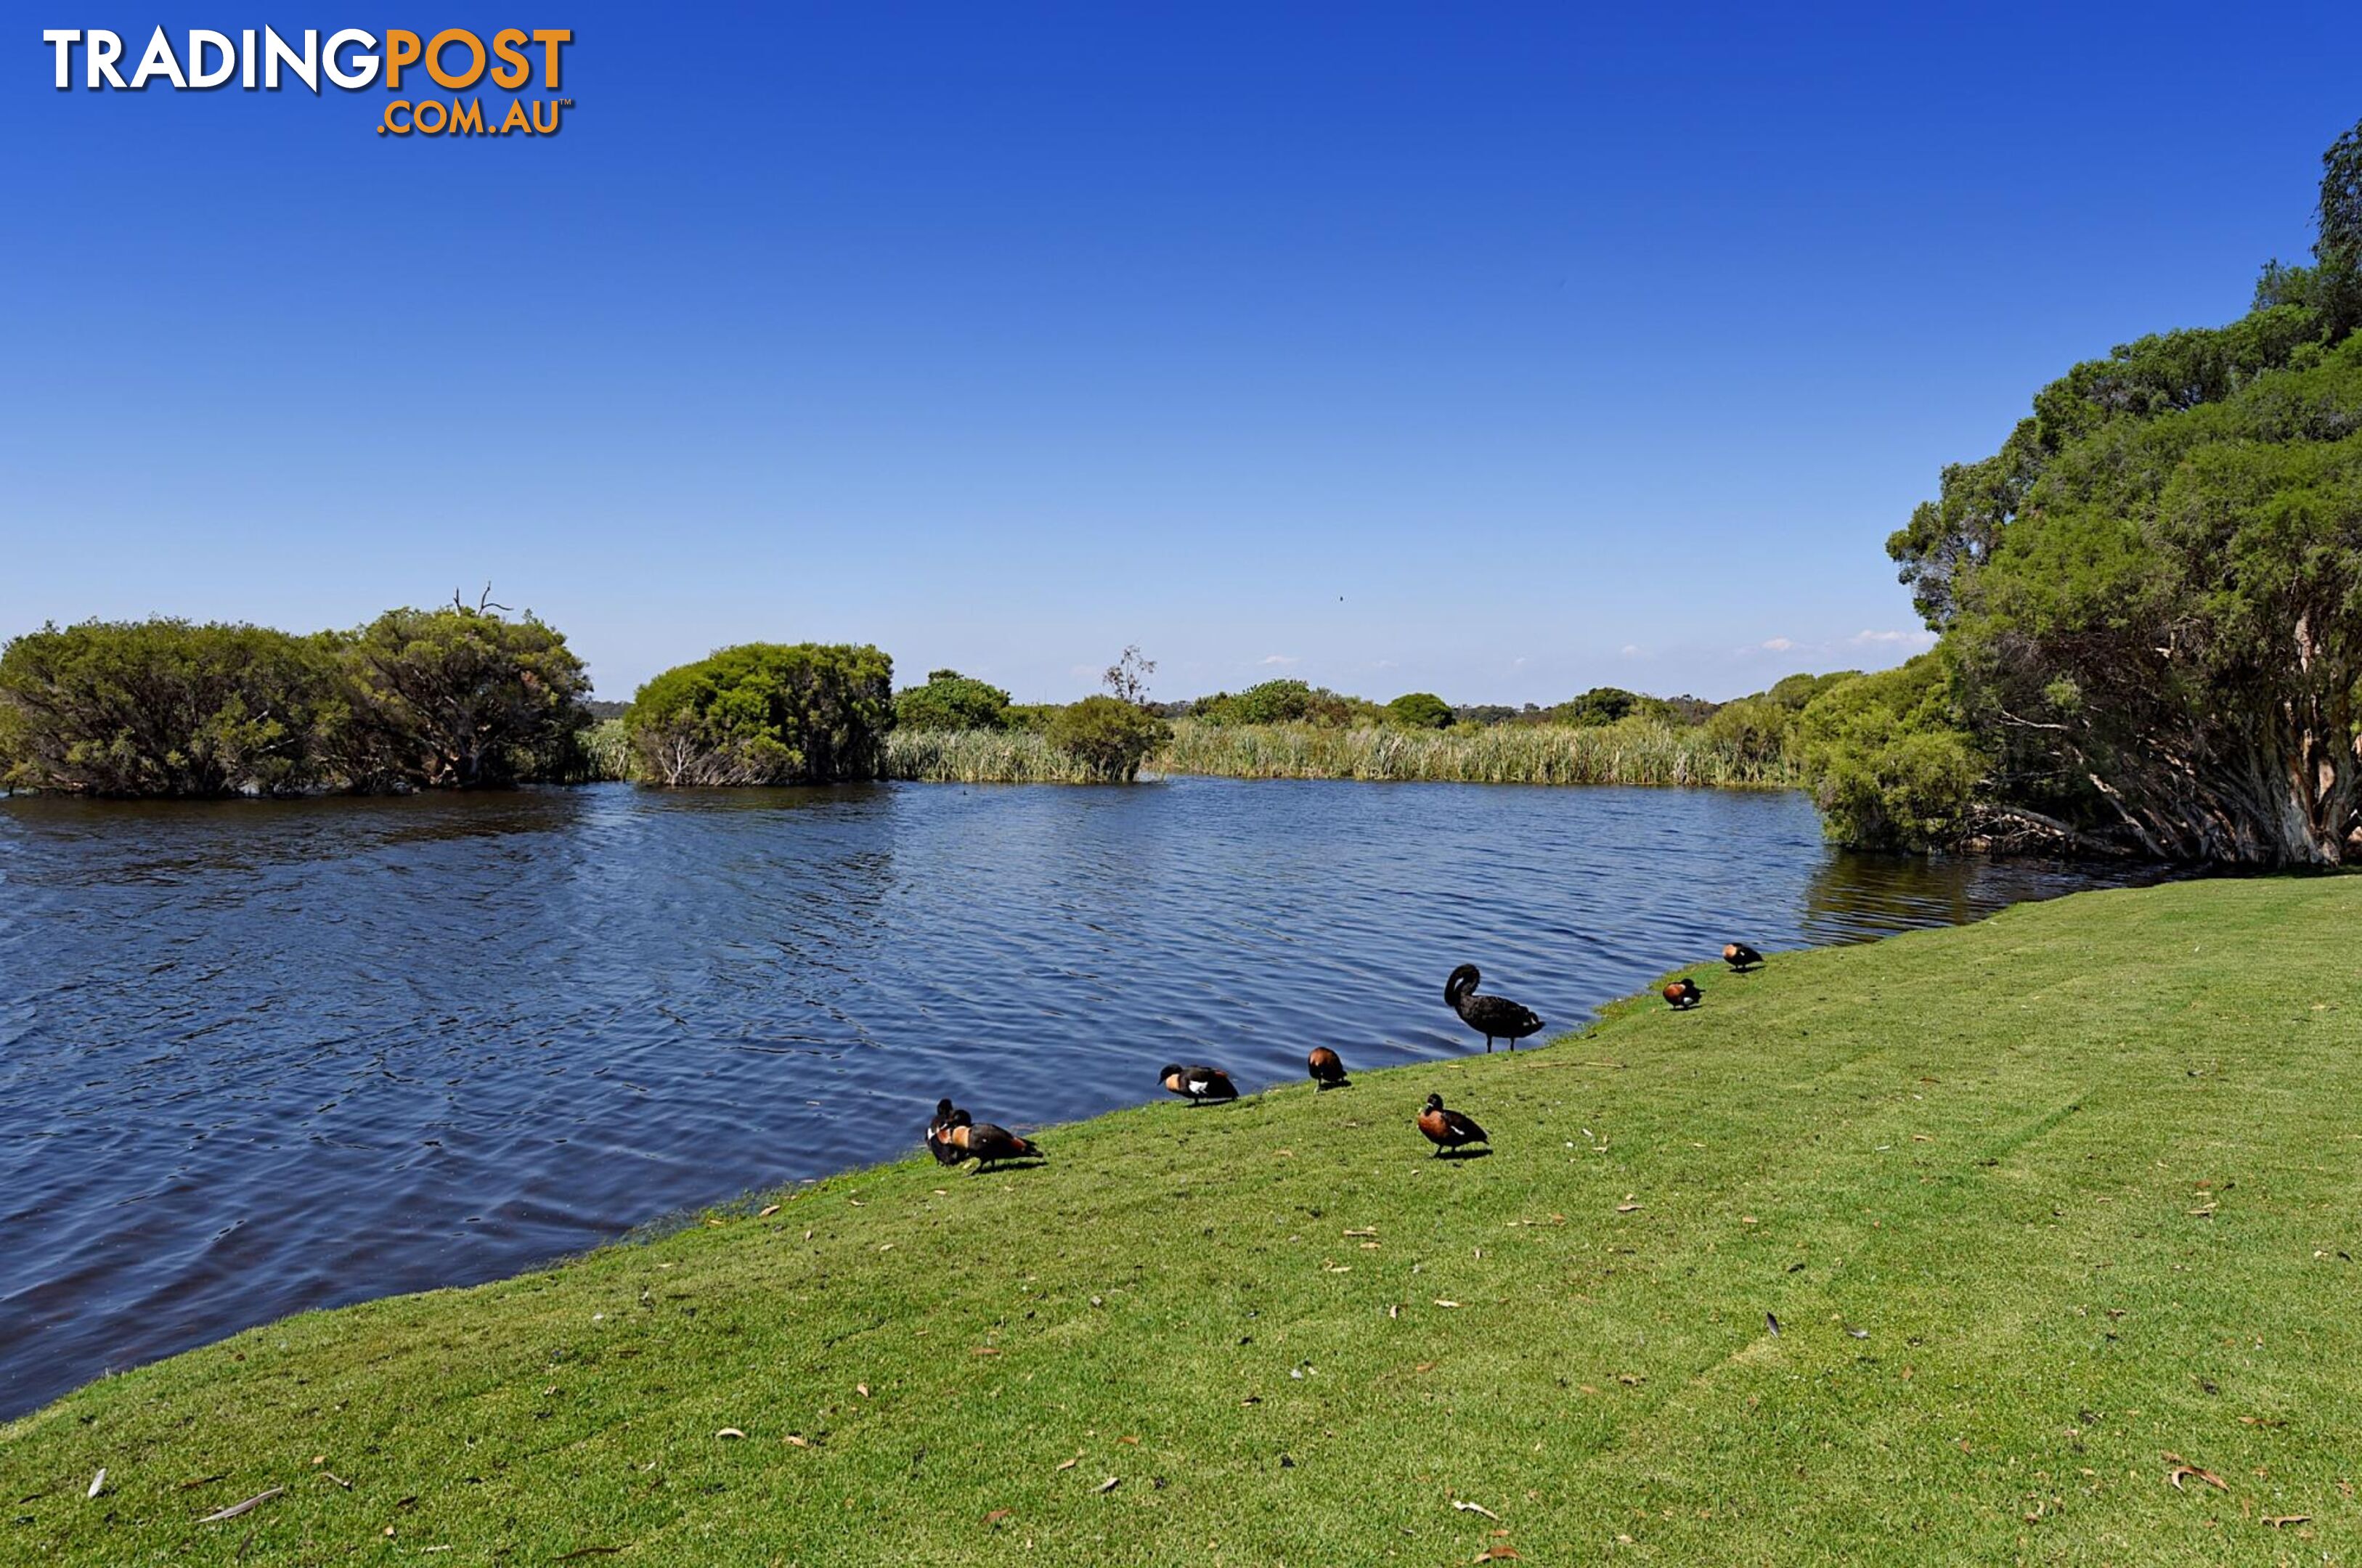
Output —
(1325, 1067)
(1448, 1130)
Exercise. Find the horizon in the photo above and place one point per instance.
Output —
(1500, 357)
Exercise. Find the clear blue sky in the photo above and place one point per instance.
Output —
(1496, 351)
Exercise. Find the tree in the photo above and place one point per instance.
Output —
(1127, 679)
(950, 700)
(167, 708)
(458, 698)
(766, 714)
(1419, 710)
(1107, 736)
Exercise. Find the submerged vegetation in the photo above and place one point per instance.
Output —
(1958, 1247)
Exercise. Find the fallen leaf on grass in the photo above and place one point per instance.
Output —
(1070, 1463)
(1440, 1301)
(2182, 1468)
(2282, 1521)
(237, 1508)
(797, 1439)
(1476, 1508)
(337, 1479)
(1109, 1484)
(986, 1349)
(861, 1390)
(1626, 1207)
(994, 1517)
(766, 1211)
(1365, 1230)
(1631, 1379)
(1133, 1440)
(729, 1432)
(97, 1482)
(1498, 1553)
(1424, 1366)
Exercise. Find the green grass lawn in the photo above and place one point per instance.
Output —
(2037, 1203)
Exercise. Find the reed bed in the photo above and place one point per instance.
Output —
(979, 756)
(1633, 752)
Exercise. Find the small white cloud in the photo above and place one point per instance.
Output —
(1384, 664)
(1085, 671)
(1277, 658)
(1891, 639)
(1633, 651)
(1777, 644)
(1518, 663)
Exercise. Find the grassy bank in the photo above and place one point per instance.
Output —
(1634, 751)
(2036, 1203)
(979, 756)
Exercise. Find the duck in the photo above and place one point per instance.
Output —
(1197, 1083)
(1740, 956)
(1448, 1130)
(984, 1143)
(1493, 1017)
(1325, 1067)
(1684, 994)
(938, 1129)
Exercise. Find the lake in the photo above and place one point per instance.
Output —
(263, 1057)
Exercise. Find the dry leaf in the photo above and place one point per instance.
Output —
(97, 1482)
(1424, 1366)
(1109, 1484)
(1133, 1440)
(729, 1432)
(994, 1517)
(1626, 1207)
(986, 1349)
(1476, 1508)
(2182, 1468)
(766, 1211)
(237, 1508)
(1440, 1301)
(797, 1439)
(2282, 1521)
(1365, 1231)
(1070, 1463)
(1498, 1553)
(861, 1390)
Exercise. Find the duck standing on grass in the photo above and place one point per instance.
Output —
(1684, 994)
(939, 1142)
(1740, 956)
(985, 1144)
(1197, 1083)
(1326, 1068)
(1493, 1017)
(1448, 1130)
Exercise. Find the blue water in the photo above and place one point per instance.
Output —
(263, 1057)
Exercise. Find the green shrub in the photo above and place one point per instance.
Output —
(1108, 737)
(1891, 767)
(1419, 710)
(166, 707)
(1277, 702)
(766, 714)
(950, 700)
(459, 698)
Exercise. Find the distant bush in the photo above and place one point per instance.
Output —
(458, 698)
(1279, 702)
(1107, 736)
(1419, 710)
(166, 707)
(1889, 765)
(950, 700)
(766, 714)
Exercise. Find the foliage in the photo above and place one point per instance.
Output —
(950, 700)
(1419, 710)
(1607, 704)
(459, 698)
(766, 714)
(1891, 767)
(1604, 1277)
(1107, 736)
(1762, 728)
(2151, 597)
(1127, 679)
(1635, 751)
(1012, 755)
(167, 707)
(1280, 702)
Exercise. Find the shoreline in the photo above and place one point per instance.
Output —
(1932, 1127)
